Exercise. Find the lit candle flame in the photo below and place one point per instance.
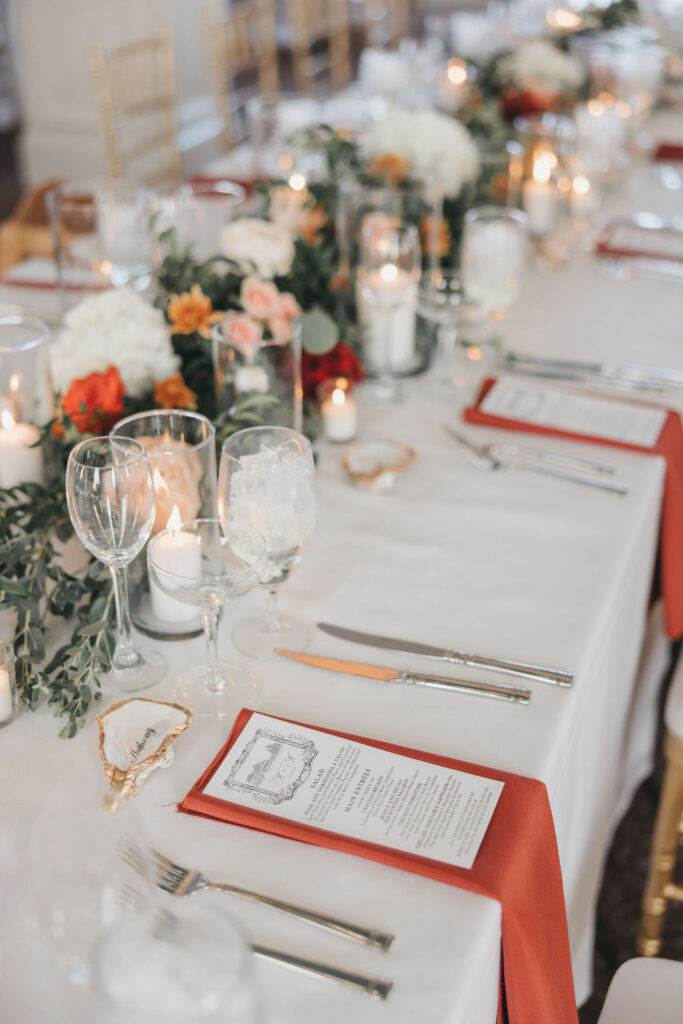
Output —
(174, 520)
(563, 19)
(338, 397)
(456, 72)
(582, 185)
(389, 272)
(159, 482)
(542, 170)
(297, 182)
(7, 419)
(14, 382)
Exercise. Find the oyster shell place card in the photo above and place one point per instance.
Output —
(137, 736)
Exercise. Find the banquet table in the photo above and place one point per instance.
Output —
(511, 565)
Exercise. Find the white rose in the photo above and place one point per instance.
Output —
(539, 66)
(433, 144)
(114, 328)
(258, 245)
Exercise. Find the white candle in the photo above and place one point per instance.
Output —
(539, 198)
(6, 702)
(453, 86)
(582, 199)
(340, 415)
(395, 297)
(251, 379)
(179, 553)
(19, 462)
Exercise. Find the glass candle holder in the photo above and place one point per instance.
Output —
(339, 409)
(500, 174)
(181, 447)
(24, 398)
(8, 693)
(264, 375)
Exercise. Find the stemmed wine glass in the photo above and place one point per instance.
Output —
(266, 481)
(493, 260)
(387, 276)
(201, 564)
(110, 497)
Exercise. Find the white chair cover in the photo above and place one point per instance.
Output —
(645, 991)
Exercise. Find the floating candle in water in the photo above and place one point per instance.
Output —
(19, 462)
(539, 197)
(179, 553)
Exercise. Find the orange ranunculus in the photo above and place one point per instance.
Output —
(431, 233)
(312, 223)
(389, 167)
(173, 393)
(95, 403)
(192, 311)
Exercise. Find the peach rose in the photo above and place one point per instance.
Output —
(242, 331)
(289, 307)
(281, 329)
(260, 299)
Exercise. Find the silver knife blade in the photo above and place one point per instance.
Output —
(556, 677)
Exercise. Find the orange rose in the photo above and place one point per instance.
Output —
(173, 393)
(389, 167)
(94, 403)
(192, 311)
(431, 232)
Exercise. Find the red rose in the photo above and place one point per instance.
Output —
(95, 403)
(522, 102)
(342, 361)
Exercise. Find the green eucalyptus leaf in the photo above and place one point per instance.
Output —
(319, 332)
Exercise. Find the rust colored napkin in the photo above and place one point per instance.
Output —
(517, 864)
(668, 151)
(670, 446)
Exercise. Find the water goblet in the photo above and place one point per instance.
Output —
(387, 279)
(493, 260)
(266, 481)
(201, 564)
(110, 497)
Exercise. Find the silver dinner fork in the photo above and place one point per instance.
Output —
(486, 458)
(165, 923)
(180, 881)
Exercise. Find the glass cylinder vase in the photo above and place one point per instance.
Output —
(261, 379)
(181, 447)
(24, 398)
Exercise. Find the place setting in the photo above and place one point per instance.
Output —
(341, 494)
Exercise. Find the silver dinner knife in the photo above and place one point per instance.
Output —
(396, 675)
(515, 668)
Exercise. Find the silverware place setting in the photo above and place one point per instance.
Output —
(490, 457)
(554, 676)
(627, 376)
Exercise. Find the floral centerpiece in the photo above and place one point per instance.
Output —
(533, 78)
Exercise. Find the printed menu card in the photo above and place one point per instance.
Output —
(538, 404)
(350, 788)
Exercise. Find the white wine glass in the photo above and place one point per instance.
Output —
(110, 497)
(266, 481)
(201, 563)
(493, 260)
(388, 272)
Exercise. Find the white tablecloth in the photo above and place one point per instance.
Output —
(506, 564)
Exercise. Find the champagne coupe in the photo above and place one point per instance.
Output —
(387, 275)
(493, 260)
(266, 481)
(200, 564)
(110, 496)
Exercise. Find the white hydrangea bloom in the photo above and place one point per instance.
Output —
(539, 66)
(432, 143)
(114, 328)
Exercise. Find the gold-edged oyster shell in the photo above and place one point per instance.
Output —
(376, 464)
(136, 736)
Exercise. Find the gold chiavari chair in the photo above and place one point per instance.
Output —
(660, 888)
(312, 22)
(243, 42)
(390, 19)
(135, 92)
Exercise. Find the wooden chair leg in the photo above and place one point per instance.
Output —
(660, 889)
